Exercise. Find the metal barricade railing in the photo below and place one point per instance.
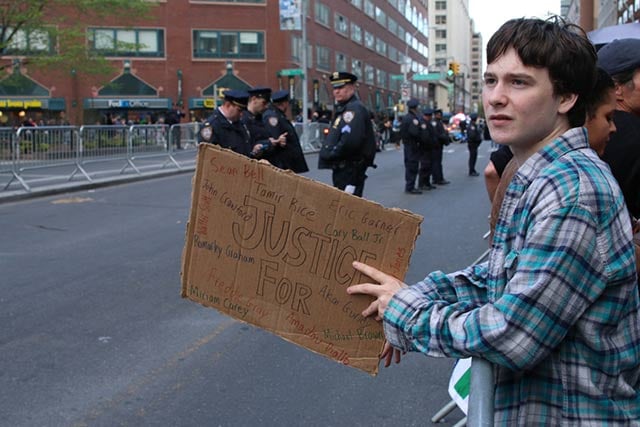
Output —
(7, 148)
(312, 141)
(185, 135)
(151, 141)
(43, 147)
(100, 143)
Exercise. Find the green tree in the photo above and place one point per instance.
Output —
(51, 34)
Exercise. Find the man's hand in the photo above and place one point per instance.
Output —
(384, 291)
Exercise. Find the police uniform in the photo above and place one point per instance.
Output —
(442, 139)
(350, 147)
(428, 143)
(259, 135)
(412, 128)
(474, 138)
(290, 156)
(220, 131)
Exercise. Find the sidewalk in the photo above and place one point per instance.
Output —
(56, 180)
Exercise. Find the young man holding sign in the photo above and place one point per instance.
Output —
(556, 305)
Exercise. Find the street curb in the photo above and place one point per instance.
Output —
(50, 190)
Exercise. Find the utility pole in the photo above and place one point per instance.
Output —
(304, 77)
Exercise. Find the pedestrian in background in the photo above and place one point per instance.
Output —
(555, 308)
(350, 147)
(621, 59)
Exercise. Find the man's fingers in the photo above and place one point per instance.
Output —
(365, 288)
(372, 272)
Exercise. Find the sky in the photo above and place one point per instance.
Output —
(489, 15)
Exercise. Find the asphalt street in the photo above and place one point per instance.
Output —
(94, 332)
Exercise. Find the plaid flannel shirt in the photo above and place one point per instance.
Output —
(555, 307)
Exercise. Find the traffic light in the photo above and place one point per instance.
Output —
(450, 71)
(455, 68)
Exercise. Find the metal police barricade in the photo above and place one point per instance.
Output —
(147, 141)
(102, 143)
(184, 135)
(312, 141)
(49, 149)
(8, 164)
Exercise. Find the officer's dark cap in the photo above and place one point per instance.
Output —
(260, 92)
(237, 97)
(412, 103)
(427, 111)
(437, 111)
(340, 78)
(280, 95)
(620, 56)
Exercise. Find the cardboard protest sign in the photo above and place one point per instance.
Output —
(274, 249)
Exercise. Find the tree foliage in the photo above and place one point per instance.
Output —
(62, 24)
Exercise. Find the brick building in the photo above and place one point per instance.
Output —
(190, 50)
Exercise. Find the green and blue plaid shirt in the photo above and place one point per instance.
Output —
(555, 307)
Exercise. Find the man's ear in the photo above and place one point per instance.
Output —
(567, 101)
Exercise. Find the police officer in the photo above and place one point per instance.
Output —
(442, 139)
(261, 141)
(288, 155)
(474, 138)
(224, 128)
(412, 128)
(350, 147)
(428, 143)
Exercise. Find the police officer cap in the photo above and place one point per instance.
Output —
(427, 111)
(412, 103)
(279, 96)
(237, 97)
(619, 56)
(341, 78)
(261, 92)
(437, 111)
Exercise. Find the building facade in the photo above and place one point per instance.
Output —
(191, 50)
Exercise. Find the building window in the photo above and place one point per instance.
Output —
(441, 5)
(369, 74)
(440, 47)
(381, 47)
(357, 3)
(393, 54)
(441, 34)
(369, 40)
(356, 33)
(322, 13)
(392, 25)
(441, 19)
(369, 9)
(228, 44)
(341, 61)
(381, 17)
(356, 68)
(381, 78)
(127, 42)
(341, 24)
(33, 42)
(323, 58)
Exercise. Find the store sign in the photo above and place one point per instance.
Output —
(127, 103)
(19, 103)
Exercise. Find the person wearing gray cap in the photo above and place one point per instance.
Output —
(621, 59)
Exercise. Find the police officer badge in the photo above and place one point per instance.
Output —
(416, 122)
(206, 132)
(348, 116)
(273, 121)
